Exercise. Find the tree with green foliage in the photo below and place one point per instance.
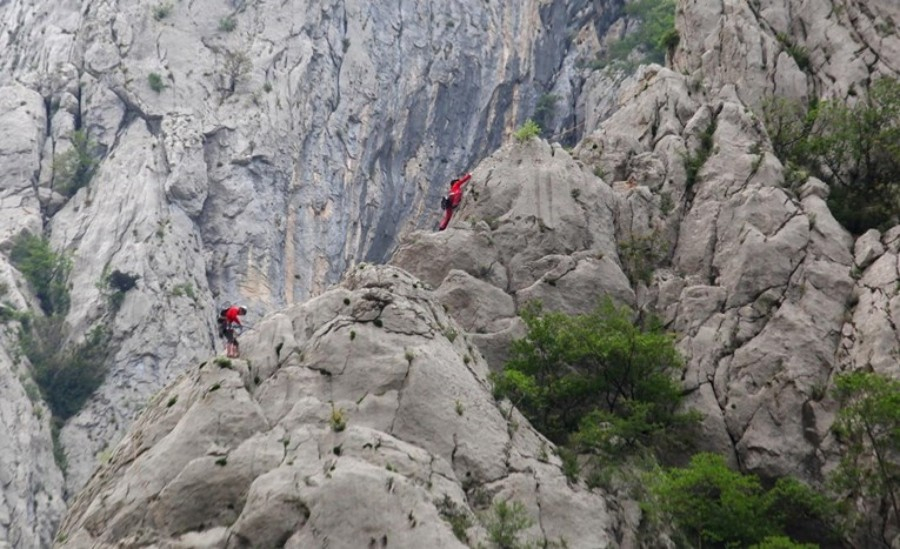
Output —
(712, 505)
(868, 425)
(67, 377)
(74, 168)
(655, 35)
(855, 148)
(45, 270)
(598, 379)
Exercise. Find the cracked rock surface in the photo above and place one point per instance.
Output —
(345, 422)
(251, 151)
(534, 226)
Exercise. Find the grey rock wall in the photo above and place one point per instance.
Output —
(274, 155)
(346, 423)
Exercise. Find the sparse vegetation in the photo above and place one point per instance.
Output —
(640, 255)
(184, 289)
(456, 515)
(116, 284)
(45, 270)
(527, 131)
(450, 334)
(799, 53)
(155, 81)
(338, 419)
(66, 377)
(162, 10)
(545, 110)
(74, 168)
(854, 148)
(235, 65)
(227, 24)
(655, 35)
(694, 161)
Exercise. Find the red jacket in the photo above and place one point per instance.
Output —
(231, 315)
(455, 197)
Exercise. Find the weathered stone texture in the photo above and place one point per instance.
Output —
(249, 452)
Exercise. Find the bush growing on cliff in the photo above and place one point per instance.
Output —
(854, 148)
(596, 380)
(868, 425)
(711, 505)
(653, 37)
(66, 377)
(527, 131)
(45, 270)
(74, 168)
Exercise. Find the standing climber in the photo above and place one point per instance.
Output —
(453, 199)
(228, 319)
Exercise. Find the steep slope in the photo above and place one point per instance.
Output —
(281, 151)
(347, 422)
(535, 225)
(756, 276)
(249, 151)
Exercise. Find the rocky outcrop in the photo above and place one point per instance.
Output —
(250, 151)
(759, 277)
(357, 419)
(535, 226)
(246, 154)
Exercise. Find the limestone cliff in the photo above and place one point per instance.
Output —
(358, 419)
(256, 151)
(247, 151)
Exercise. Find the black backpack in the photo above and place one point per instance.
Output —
(445, 202)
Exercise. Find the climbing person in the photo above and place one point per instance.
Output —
(450, 202)
(228, 319)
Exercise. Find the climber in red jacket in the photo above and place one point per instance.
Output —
(228, 319)
(452, 200)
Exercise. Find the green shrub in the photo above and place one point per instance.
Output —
(338, 419)
(799, 53)
(655, 36)
(693, 162)
(74, 168)
(545, 110)
(712, 505)
(162, 10)
(456, 516)
(227, 24)
(117, 284)
(640, 256)
(598, 377)
(855, 149)
(45, 270)
(868, 424)
(66, 377)
(505, 523)
(527, 131)
(156, 82)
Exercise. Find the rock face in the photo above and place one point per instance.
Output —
(759, 281)
(250, 151)
(257, 151)
(356, 419)
(535, 226)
